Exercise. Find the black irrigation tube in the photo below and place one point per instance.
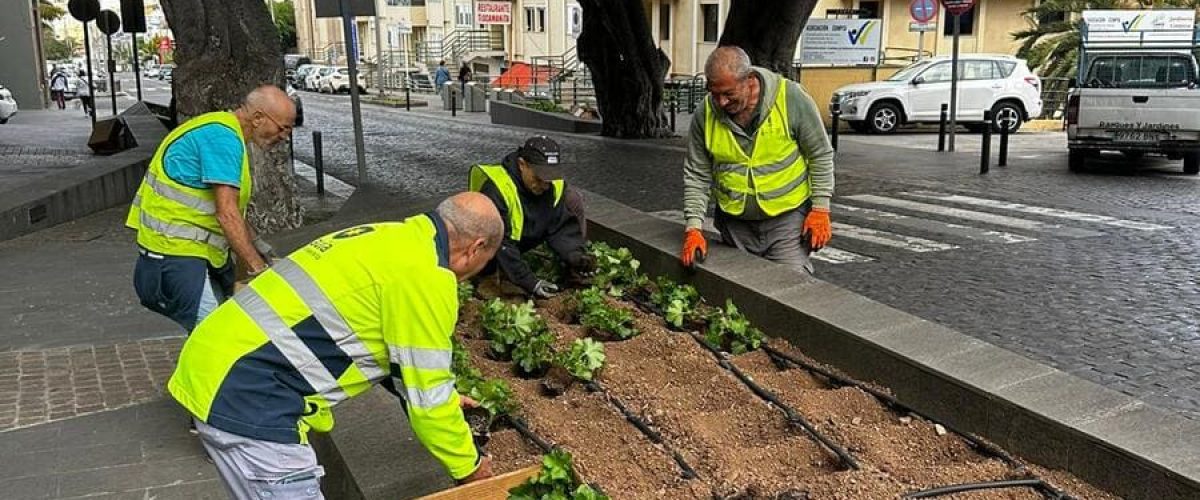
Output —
(895, 404)
(1036, 484)
(793, 417)
(653, 435)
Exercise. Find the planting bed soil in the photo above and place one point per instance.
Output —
(708, 434)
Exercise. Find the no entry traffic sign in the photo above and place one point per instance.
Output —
(958, 7)
(922, 11)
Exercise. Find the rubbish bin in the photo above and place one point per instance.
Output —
(476, 100)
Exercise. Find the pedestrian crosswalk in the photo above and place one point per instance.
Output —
(867, 227)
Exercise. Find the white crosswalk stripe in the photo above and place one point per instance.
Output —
(910, 243)
(893, 220)
(1043, 211)
(972, 215)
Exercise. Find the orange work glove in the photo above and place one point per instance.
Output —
(817, 227)
(693, 240)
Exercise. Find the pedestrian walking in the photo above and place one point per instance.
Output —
(86, 100)
(759, 147)
(189, 211)
(464, 76)
(537, 207)
(441, 76)
(58, 88)
(372, 304)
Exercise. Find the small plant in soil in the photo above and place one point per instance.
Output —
(544, 264)
(506, 325)
(596, 314)
(584, 359)
(678, 303)
(466, 292)
(493, 395)
(616, 269)
(731, 331)
(534, 353)
(555, 482)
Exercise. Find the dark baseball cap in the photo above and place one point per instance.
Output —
(543, 156)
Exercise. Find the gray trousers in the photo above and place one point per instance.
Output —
(253, 469)
(776, 239)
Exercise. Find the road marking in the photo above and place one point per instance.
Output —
(828, 254)
(1044, 211)
(929, 225)
(910, 243)
(332, 184)
(984, 217)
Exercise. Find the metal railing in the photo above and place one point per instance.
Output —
(1054, 97)
(458, 44)
(563, 78)
(685, 93)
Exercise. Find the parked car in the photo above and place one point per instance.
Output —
(302, 72)
(165, 70)
(150, 72)
(8, 105)
(1001, 83)
(339, 81)
(313, 80)
(291, 92)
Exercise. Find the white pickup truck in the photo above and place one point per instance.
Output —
(1136, 102)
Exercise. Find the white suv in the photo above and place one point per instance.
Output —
(915, 94)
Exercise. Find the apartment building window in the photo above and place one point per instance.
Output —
(966, 21)
(535, 19)
(664, 21)
(868, 10)
(463, 15)
(1050, 17)
(711, 15)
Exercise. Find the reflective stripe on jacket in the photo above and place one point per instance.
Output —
(480, 174)
(775, 174)
(349, 310)
(172, 218)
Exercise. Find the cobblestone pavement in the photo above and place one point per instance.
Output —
(40, 386)
(1092, 273)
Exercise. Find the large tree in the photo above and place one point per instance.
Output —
(224, 49)
(285, 21)
(628, 70)
(767, 30)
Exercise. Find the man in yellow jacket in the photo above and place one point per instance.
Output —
(758, 146)
(372, 304)
(189, 212)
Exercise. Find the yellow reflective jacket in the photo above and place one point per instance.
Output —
(480, 174)
(354, 308)
(172, 218)
(775, 174)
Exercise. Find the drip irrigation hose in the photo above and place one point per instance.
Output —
(519, 424)
(651, 434)
(891, 401)
(793, 417)
(1036, 484)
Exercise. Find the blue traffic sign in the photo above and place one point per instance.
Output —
(923, 11)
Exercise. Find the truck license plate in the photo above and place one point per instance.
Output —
(1137, 136)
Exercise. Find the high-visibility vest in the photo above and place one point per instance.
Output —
(480, 174)
(776, 167)
(349, 310)
(175, 219)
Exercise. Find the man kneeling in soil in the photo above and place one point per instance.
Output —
(371, 304)
(537, 207)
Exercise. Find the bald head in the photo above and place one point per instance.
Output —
(476, 231)
(267, 116)
(728, 61)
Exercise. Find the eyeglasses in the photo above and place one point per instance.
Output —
(282, 127)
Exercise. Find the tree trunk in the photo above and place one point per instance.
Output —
(627, 69)
(768, 30)
(224, 49)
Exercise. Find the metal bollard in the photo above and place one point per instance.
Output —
(837, 116)
(407, 98)
(942, 127)
(453, 104)
(1003, 145)
(674, 110)
(985, 151)
(318, 162)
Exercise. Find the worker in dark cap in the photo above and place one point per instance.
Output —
(537, 207)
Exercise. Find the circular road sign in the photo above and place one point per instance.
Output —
(108, 22)
(958, 7)
(84, 10)
(923, 11)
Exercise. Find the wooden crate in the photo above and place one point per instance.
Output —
(495, 488)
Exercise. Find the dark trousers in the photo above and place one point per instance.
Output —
(184, 289)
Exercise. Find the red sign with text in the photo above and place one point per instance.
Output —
(958, 7)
